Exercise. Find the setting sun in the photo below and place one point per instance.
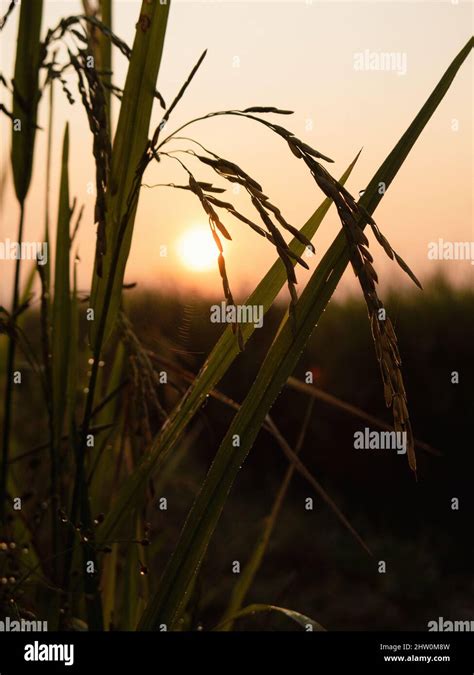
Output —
(197, 249)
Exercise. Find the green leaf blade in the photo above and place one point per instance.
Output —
(26, 95)
(61, 320)
(279, 363)
(301, 619)
(218, 362)
(129, 144)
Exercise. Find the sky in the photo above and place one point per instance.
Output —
(303, 56)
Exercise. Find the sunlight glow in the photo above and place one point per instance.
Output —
(197, 249)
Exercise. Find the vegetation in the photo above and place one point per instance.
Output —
(119, 414)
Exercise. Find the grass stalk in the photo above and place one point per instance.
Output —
(125, 209)
(46, 342)
(247, 577)
(279, 363)
(7, 415)
(218, 362)
(106, 53)
(25, 104)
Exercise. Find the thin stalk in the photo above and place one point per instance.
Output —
(106, 53)
(45, 318)
(237, 113)
(65, 437)
(243, 586)
(80, 492)
(46, 347)
(55, 501)
(316, 392)
(48, 160)
(102, 324)
(9, 378)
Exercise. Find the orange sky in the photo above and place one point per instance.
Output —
(297, 55)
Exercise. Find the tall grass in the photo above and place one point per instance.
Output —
(114, 433)
(24, 112)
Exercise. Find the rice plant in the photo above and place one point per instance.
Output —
(114, 433)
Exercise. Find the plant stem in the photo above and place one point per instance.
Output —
(46, 282)
(80, 492)
(9, 378)
(106, 53)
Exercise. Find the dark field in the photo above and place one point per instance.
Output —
(313, 564)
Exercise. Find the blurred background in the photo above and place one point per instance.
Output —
(313, 563)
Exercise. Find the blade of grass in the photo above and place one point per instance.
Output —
(49, 153)
(25, 103)
(45, 446)
(246, 579)
(128, 614)
(100, 43)
(44, 272)
(26, 95)
(129, 145)
(270, 426)
(205, 513)
(109, 582)
(130, 142)
(60, 337)
(72, 382)
(300, 467)
(330, 399)
(22, 529)
(28, 287)
(106, 51)
(279, 363)
(101, 471)
(304, 621)
(310, 389)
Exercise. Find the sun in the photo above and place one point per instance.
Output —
(197, 249)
